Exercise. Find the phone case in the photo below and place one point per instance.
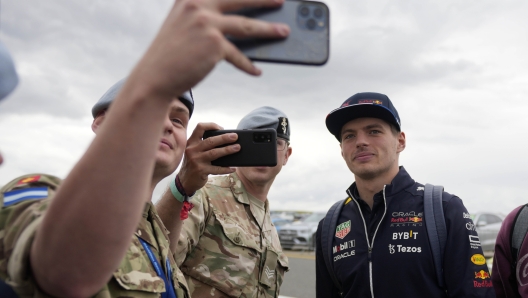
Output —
(308, 42)
(252, 153)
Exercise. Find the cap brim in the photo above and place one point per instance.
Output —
(339, 117)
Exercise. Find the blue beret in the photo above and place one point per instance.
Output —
(267, 117)
(8, 75)
(104, 102)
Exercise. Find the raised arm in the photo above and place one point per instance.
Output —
(90, 222)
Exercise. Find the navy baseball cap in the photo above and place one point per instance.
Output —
(104, 102)
(267, 117)
(362, 105)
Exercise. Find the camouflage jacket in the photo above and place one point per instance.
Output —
(19, 221)
(223, 251)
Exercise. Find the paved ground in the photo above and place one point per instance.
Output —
(300, 280)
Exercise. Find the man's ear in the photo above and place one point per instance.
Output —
(97, 122)
(288, 153)
(401, 142)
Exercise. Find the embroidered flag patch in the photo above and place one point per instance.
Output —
(16, 196)
(342, 230)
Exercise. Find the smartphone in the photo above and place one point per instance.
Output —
(258, 148)
(308, 42)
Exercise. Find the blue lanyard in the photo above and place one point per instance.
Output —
(170, 292)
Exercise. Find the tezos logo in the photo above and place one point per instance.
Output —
(402, 248)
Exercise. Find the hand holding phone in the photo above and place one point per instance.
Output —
(258, 147)
(308, 42)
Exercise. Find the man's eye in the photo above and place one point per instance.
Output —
(176, 120)
(375, 131)
(348, 136)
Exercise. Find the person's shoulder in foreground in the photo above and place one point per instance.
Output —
(509, 271)
(86, 230)
(380, 229)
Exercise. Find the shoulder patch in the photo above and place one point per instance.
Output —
(17, 196)
(348, 200)
(29, 180)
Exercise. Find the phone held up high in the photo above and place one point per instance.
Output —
(258, 148)
(308, 42)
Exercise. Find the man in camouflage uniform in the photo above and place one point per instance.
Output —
(228, 247)
(98, 235)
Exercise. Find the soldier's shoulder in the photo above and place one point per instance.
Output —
(28, 187)
(219, 182)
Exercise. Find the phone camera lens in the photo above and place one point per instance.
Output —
(311, 24)
(305, 11)
(318, 12)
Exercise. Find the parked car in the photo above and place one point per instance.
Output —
(487, 225)
(301, 234)
(279, 222)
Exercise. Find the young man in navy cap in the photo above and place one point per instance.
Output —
(380, 245)
(91, 236)
(228, 247)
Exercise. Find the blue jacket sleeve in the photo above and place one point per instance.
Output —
(465, 271)
(324, 286)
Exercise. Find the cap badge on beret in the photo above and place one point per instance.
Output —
(283, 125)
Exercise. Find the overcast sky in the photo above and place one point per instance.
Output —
(457, 72)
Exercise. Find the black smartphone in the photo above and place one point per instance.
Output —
(258, 148)
(308, 42)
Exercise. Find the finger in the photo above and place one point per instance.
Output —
(215, 153)
(239, 26)
(234, 5)
(239, 60)
(199, 130)
(216, 141)
(216, 170)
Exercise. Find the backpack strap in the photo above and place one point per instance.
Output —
(520, 227)
(436, 227)
(327, 237)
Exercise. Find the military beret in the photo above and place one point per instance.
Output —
(104, 102)
(267, 117)
(8, 75)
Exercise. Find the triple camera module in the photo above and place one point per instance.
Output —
(262, 137)
(312, 16)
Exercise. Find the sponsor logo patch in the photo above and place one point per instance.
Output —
(474, 241)
(404, 235)
(402, 248)
(482, 275)
(344, 246)
(342, 230)
(478, 259)
(406, 221)
(374, 101)
(470, 226)
(466, 215)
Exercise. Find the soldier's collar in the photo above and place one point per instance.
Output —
(238, 189)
